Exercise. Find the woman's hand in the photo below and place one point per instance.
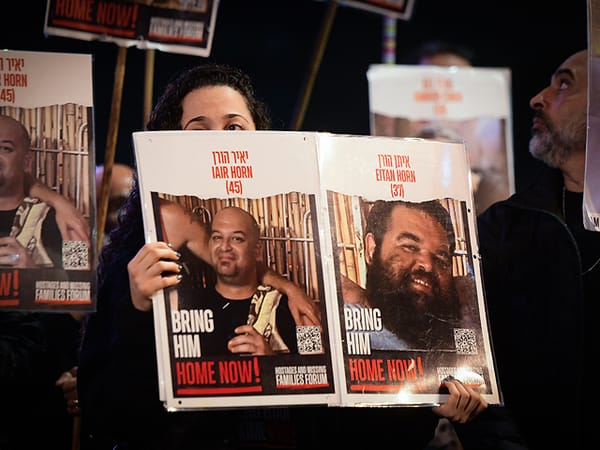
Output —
(68, 383)
(154, 267)
(463, 405)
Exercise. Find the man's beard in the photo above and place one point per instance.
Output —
(553, 146)
(424, 321)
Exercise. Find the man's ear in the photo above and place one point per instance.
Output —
(258, 252)
(370, 247)
(28, 161)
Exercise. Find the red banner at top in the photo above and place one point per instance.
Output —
(127, 23)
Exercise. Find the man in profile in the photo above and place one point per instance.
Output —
(409, 285)
(30, 234)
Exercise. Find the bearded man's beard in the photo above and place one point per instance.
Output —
(422, 320)
(553, 146)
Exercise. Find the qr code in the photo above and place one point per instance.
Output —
(466, 341)
(75, 255)
(309, 339)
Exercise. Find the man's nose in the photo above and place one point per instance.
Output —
(226, 244)
(424, 261)
(538, 100)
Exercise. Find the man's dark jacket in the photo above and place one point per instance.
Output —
(535, 300)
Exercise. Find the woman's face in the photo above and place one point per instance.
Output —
(216, 108)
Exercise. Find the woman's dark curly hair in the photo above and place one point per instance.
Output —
(167, 112)
(128, 236)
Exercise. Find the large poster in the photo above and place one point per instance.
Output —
(452, 103)
(243, 170)
(333, 212)
(177, 26)
(591, 192)
(47, 257)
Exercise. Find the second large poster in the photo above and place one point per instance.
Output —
(378, 232)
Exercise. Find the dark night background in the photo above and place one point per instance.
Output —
(274, 41)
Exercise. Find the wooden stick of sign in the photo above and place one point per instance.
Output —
(111, 142)
(319, 50)
(148, 84)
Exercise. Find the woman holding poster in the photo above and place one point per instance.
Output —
(118, 373)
